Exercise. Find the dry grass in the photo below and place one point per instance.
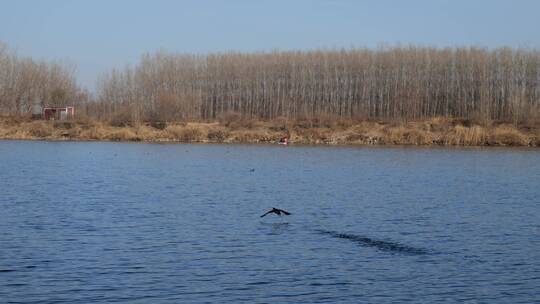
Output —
(122, 134)
(93, 132)
(508, 135)
(436, 131)
(184, 133)
(466, 136)
(40, 129)
(217, 135)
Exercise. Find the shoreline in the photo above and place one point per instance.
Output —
(434, 132)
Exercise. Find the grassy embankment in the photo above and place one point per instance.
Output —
(436, 131)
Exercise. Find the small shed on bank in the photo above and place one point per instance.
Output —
(54, 113)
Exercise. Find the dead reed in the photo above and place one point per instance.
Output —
(435, 131)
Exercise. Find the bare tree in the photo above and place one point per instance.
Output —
(385, 83)
(25, 82)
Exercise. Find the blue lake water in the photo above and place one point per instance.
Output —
(152, 223)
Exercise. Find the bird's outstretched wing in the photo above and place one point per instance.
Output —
(266, 213)
(285, 212)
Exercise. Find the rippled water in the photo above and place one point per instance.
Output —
(150, 223)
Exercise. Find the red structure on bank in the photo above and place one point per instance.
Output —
(50, 113)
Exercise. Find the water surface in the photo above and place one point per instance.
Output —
(151, 223)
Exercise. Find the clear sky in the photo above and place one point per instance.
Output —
(96, 35)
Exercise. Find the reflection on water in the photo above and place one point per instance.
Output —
(379, 244)
(150, 223)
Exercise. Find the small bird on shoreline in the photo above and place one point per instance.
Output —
(276, 211)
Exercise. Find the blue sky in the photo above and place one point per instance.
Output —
(96, 35)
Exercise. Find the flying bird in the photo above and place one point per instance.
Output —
(276, 211)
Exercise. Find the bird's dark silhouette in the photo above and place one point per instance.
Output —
(276, 211)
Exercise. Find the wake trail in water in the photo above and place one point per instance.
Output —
(379, 244)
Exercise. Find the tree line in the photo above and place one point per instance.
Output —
(386, 83)
(25, 82)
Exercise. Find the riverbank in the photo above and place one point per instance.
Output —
(436, 131)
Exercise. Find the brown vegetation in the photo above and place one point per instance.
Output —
(412, 96)
(390, 84)
(436, 131)
(25, 83)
